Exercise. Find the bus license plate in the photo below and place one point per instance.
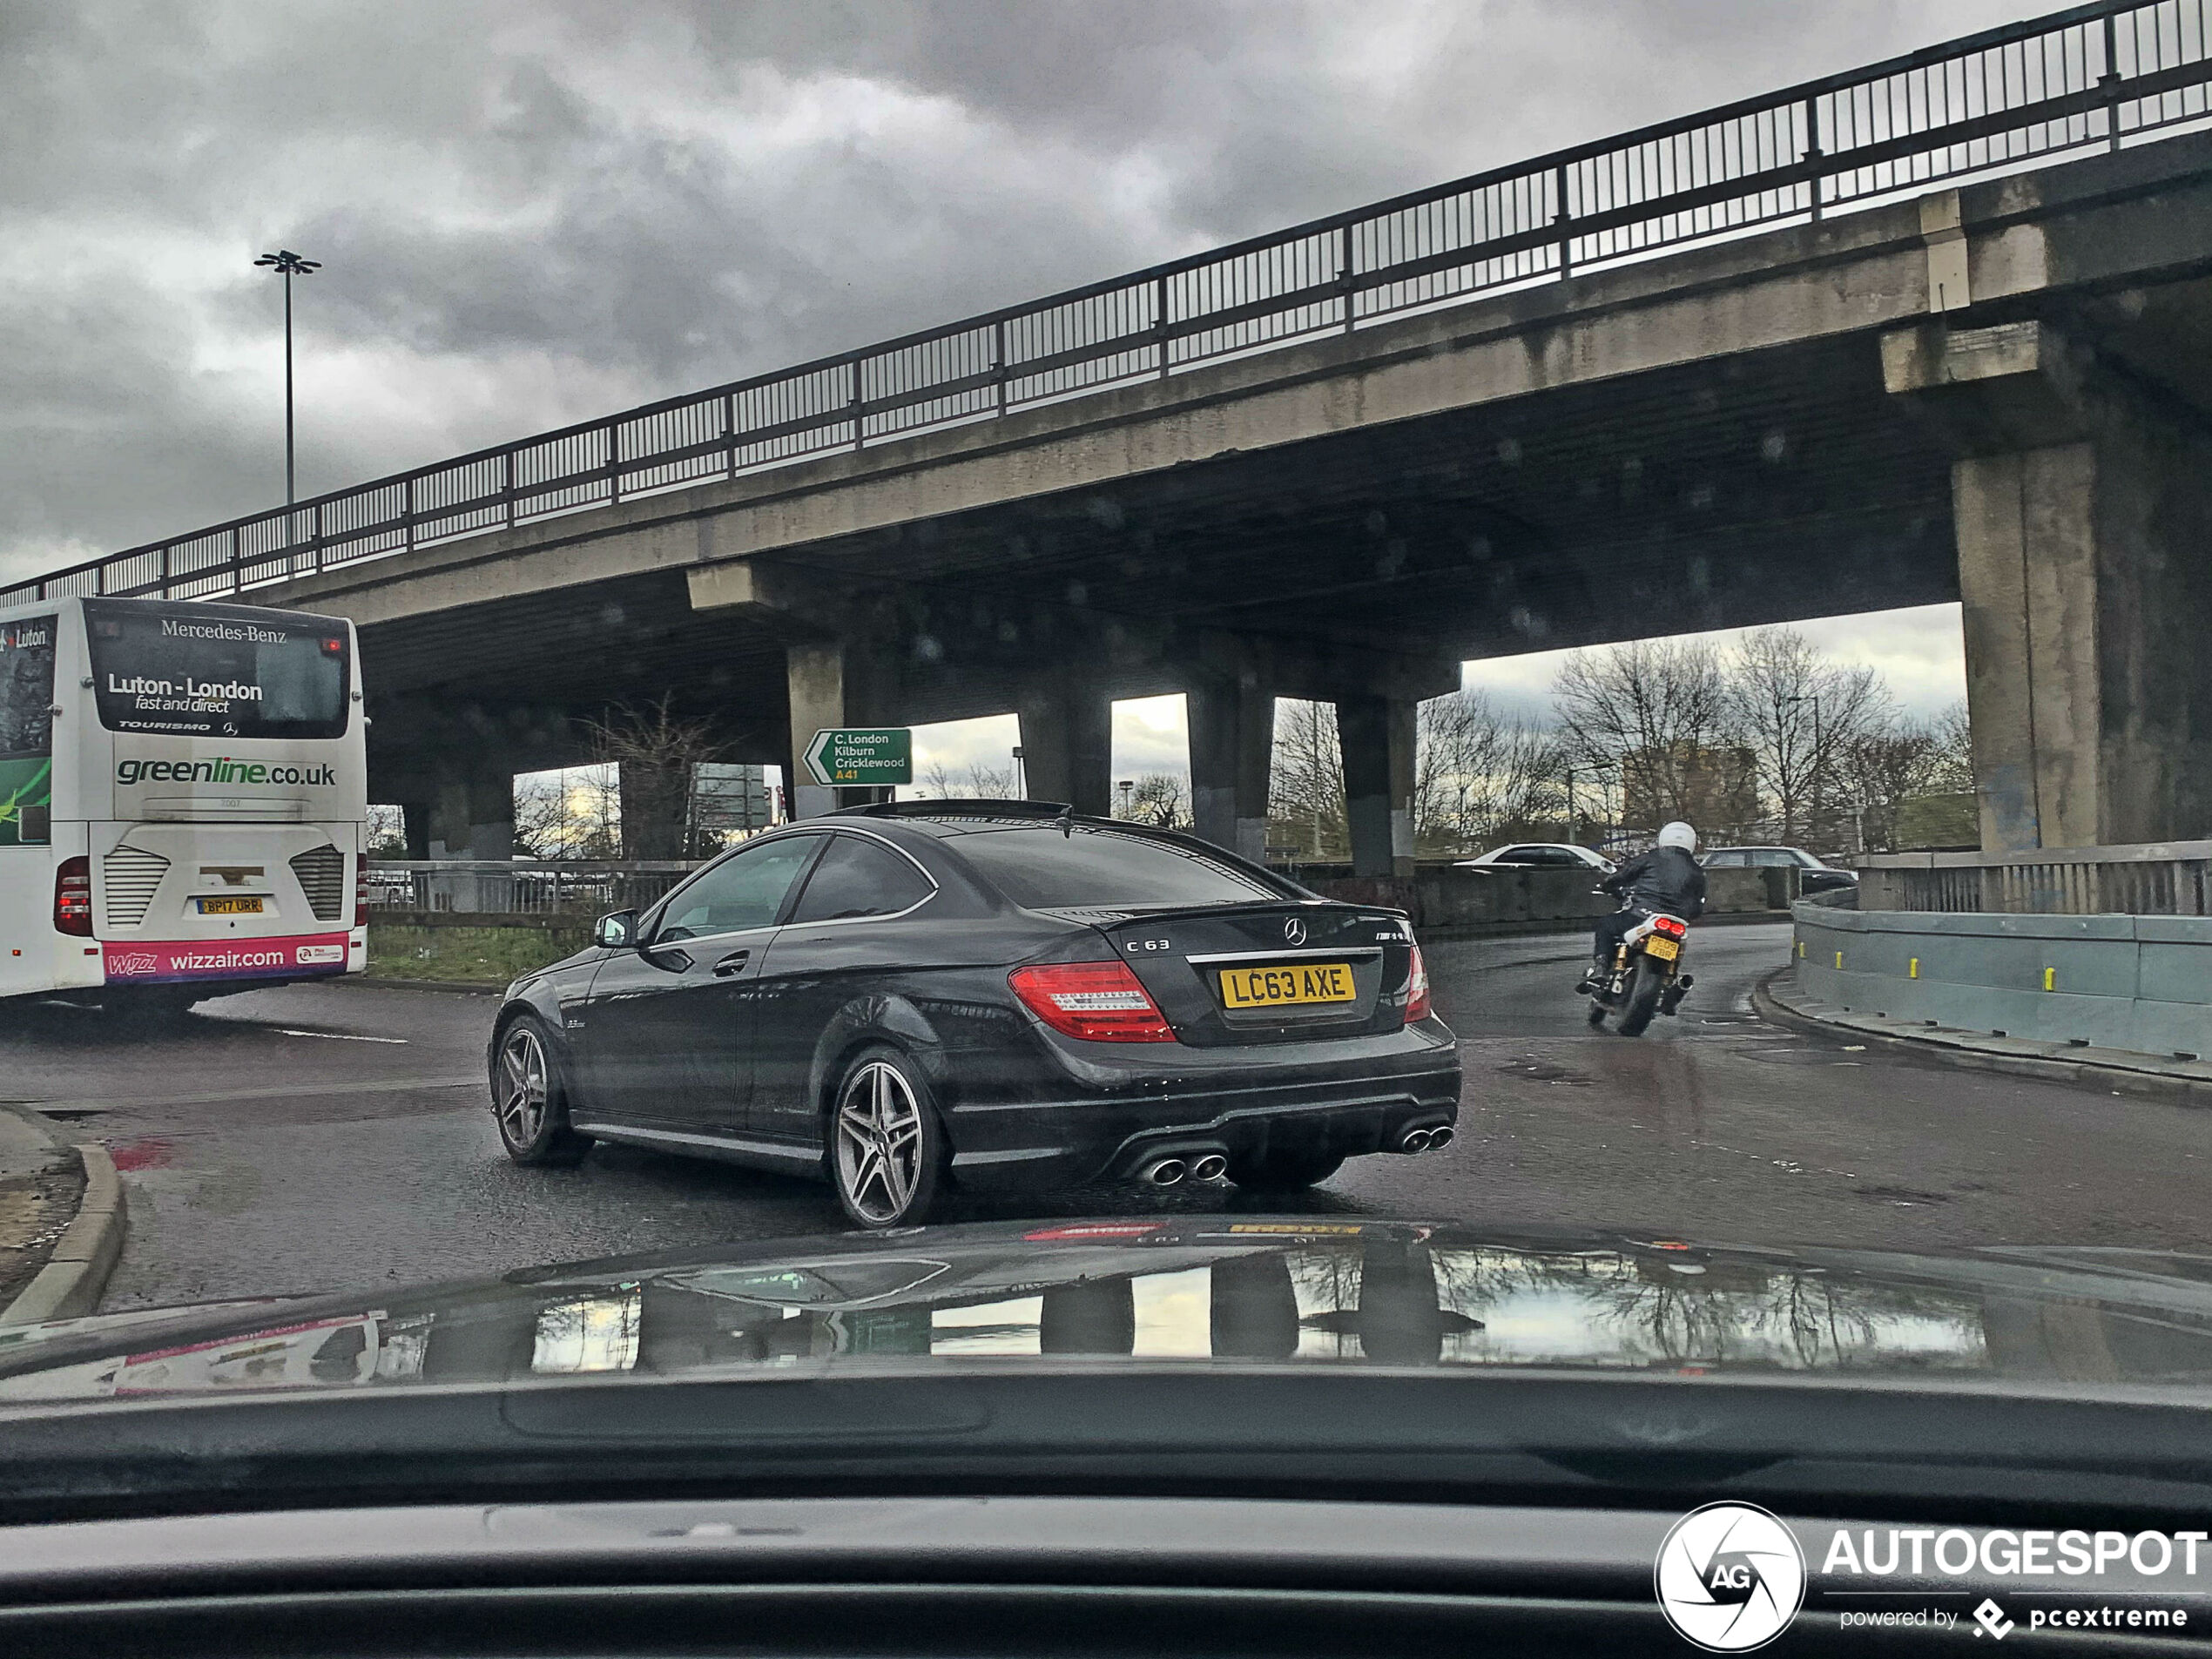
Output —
(230, 907)
(1269, 987)
(1664, 948)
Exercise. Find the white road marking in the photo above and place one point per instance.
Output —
(337, 1036)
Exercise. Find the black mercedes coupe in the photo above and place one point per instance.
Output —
(998, 995)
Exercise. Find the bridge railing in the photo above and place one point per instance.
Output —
(491, 887)
(2155, 879)
(2091, 76)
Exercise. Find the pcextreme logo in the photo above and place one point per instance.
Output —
(1730, 1577)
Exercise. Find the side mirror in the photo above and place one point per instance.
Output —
(616, 932)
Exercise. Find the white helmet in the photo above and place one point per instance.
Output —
(1678, 834)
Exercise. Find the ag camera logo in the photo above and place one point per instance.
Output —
(1730, 1577)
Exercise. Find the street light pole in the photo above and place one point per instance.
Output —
(288, 264)
(1812, 781)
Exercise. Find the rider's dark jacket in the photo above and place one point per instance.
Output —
(1665, 879)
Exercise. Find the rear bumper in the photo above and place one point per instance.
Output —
(1114, 1107)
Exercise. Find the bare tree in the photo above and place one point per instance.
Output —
(1801, 715)
(1306, 788)
(546, 825)
(654, 751)
(1655, 708)
(1162, 800)
(1476, 770)
(990, 783)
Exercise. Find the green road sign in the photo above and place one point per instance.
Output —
(880, 754)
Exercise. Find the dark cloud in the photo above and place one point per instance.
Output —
(531, 213)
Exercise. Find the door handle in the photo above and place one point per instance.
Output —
(733, 963)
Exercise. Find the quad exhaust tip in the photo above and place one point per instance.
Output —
(1211, 1167)
(1439, 1137)
(1414, 1140)
(1166, 1172)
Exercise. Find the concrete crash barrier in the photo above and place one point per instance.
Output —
(2141, 984)
(1505, 898)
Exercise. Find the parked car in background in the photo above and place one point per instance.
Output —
(1540, 855)
(1816, 877)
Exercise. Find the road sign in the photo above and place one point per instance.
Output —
(726, 797)
(880, 754)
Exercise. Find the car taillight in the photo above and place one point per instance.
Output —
(1670, 927)
(1417, 999)
(73, 898)
(1097, 1002)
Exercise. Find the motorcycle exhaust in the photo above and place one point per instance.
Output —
(1211, 1167)
(1165, 1172)
(1439, 1137)
(1414, 1140)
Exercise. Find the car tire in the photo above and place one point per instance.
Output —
(529, 1097)
(885, 1145)
(1282, 1171)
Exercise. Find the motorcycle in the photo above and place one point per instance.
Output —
(1646, 976)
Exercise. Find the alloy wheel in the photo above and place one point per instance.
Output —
(521, 1082)
(878, 1143)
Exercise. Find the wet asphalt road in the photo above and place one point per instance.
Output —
(335, 1136)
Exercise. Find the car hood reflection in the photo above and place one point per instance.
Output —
(1200, 1291)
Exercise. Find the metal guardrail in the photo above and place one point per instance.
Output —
(485, 886)
(2155, 879)
(2090, 76)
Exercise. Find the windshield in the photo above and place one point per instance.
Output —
(848, 690)
(197, 670)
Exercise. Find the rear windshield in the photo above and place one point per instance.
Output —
(195, 669)
(1042, 869)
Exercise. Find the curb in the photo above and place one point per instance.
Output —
(2134, 1076)
(68, 1286)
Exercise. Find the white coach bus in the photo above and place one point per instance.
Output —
(183, 797)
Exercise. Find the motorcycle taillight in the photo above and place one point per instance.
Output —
(1670, 927)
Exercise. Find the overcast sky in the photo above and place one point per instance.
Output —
(533, 213)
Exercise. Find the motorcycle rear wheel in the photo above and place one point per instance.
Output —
(1641, 1000)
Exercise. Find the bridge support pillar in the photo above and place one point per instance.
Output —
(1376, 734)
(469, 810)
(815, 676)
(2082, 516)
(1067, 743)
(1232, 750)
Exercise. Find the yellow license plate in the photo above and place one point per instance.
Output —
(1273, 987)
(1664, 948)
(230, 907)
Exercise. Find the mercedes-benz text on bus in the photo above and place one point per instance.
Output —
(183, 791)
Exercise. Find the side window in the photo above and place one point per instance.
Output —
(1772, 857)
(1551, 858)
(1517, 855)
(26, 732)
(1725, 862)
(860, 878)
(746, 891)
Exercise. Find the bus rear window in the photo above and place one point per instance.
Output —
(217, 670)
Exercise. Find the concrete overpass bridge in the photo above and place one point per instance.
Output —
(1937, 329)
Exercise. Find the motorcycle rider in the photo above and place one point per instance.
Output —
(1665, 880)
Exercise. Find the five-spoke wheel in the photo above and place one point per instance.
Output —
(886, 1149)
(528, 1099)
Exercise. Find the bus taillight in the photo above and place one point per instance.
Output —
(73, 898)
(360, 898)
